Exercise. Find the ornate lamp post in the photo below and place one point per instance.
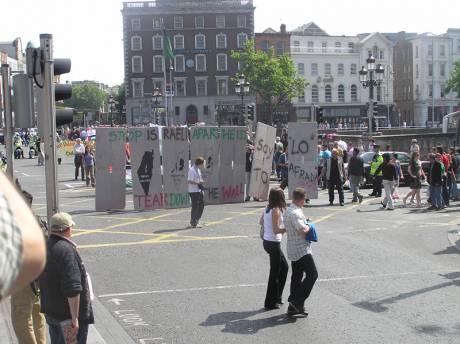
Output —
(366, 77)
(241, 89)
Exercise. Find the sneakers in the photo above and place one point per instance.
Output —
(342, 204)
(360, 198)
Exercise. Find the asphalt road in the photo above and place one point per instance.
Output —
(384, 277)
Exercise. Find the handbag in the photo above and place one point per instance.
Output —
(311, 236)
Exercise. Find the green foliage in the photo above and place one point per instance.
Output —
(453, 84)
(272, 77)
(86, 97)
(120, 99)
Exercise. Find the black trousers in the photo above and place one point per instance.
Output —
(197, 200)
(78, 161)
(304, 276)
(377, 186)
(278, 273)
(332, 185)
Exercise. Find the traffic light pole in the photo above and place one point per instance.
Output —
(48, 114)
(8, 120)
(371, 103)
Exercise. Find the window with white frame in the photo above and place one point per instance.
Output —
(381, 54)
(158, 64)
(242, 39)
(179, 42)
(315, 94)
(221, 41)
(328, 94)
(341, 93)
(138, 88)
(178, 22)
(157, 23)
(353, 69)
(220, 22)
(351, 47)
(158, 83)
(296, 46)
(222, 86)
(179, 87)
(136, 24)
(442, 50)
(241, 21)
(136, 64)
(200, 63)
(430, 49)
(442, 69)
(279, 48)
(324, 47)
(338, 47)
(200, 41)
(354, 93)
(314, 69)
(221, 62)
(301, 97)
(301, 68)
(327, 69)
(340, 69)
(179, 63)
(201, 87)
(199, 22)
(136, 43)
(310, 46)
(157, 42)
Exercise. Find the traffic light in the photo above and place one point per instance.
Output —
(374, 125)
(251, 112)
(319, 114)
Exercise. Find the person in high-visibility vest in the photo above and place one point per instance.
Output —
(376, 173)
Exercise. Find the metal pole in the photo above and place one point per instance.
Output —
(8, 120)
(432, 79)
(48, 113)
(371, 102)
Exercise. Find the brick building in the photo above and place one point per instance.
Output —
(203, 33)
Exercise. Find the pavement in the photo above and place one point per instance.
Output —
(384, 277)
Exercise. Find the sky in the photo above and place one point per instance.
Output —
(90, 32)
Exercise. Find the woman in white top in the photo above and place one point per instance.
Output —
(272, 222)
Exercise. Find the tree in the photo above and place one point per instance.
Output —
(273, 78)
(453, 84)
(120, 99)
(86, 97)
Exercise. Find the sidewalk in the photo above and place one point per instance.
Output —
(113, 333)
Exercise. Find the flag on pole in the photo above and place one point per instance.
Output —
(167, 46)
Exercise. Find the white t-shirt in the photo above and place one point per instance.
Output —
(269, 235)
(342, 145)
(79, 149)
(194, 175)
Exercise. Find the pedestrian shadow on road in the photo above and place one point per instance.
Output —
(238, 322)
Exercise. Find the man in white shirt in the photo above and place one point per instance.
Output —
(78, 153)
(195, 189)
(414, 147)
(304, 273)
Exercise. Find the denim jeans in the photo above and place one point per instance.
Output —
(197, 207)
(57, 336)
(436, 196)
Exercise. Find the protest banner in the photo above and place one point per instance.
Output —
(302, 154)
(110, 169)
(65, 148)
(146, 168)
(262, 161)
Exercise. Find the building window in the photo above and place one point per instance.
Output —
(221, 62)
(242, 38)
(379, 93)
(324, 47)
(178, 22)
(351, 47)
(201, 87)
(301, 97)
(158, 64)
(200, 41)
(241, 65)
(136, 24)
(157, 42)
(328, 94)
(353, 69)
(338, 47)
(375, 51)
(296, 46)
(442, 69)
(199, 22)
(157, 23)
(241, 21)
(430, 69)
(177, 110)
(443, 90)
(136, 43)
(340, 69)
(279, 48)
(327, 69)
(179, 86)
(222, 87)
(200, 63)
(381, 54)
(158, 83)
(301, 69)
(310, 46)
(179, 63)
(265, 46)
(430, 90)
(220, 22)
(416, 71)
(138, 88)
(341, 93)
(136, 64)
(430, 49)
(221, 41)
(416, 51)
(314, 69)
(354, 93)
(179, 42)
(442, 50)
(205, 110)
(314, 94)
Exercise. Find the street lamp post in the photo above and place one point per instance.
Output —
(241, 89)
(111, 101)
(366, 77)
(157, 96)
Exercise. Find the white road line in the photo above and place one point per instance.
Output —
(222, 287)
